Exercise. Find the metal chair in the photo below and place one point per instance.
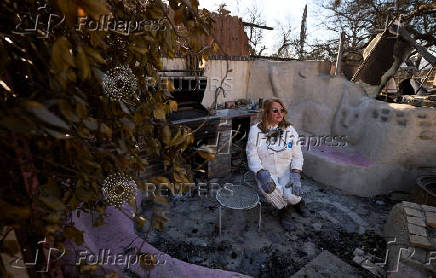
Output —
(238, 197)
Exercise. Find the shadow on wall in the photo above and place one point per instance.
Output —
(397, 139)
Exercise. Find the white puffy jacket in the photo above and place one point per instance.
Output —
(277, 157)
(260, 153)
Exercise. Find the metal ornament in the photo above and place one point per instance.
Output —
(120, 83)
(275, 140)
(118, 189)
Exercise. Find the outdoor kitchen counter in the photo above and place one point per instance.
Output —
(229, 119)
(221, 114)
(236, 112)
(218, 130)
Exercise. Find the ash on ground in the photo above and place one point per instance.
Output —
(338, 223)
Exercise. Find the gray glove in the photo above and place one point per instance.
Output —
(296, 184)
(268, 185)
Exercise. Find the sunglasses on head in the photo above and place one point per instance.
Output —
(275, 110)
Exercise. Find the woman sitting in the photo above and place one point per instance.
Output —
(275, 156)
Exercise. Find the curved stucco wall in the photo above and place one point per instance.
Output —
(387, 143)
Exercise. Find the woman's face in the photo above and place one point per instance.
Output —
(276, 114)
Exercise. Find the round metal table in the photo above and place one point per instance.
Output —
(238, 197)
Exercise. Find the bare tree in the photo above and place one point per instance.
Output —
(303, 33)
(322, 50)
(290, 46)
(287, 41)
(255, 35)
(361, 20)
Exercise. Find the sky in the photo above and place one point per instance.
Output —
(275, 12)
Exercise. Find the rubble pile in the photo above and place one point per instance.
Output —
(419, 101)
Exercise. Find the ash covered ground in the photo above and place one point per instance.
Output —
(339, 223)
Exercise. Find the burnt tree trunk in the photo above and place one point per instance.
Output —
(385, 55)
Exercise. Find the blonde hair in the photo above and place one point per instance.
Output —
(267, 107)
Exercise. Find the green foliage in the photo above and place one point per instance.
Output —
(60, 135)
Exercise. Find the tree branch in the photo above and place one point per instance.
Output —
(257, 26)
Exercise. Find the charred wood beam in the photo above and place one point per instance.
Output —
(257, 26)
(404, 34)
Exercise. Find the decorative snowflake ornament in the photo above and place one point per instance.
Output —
(120, 83)
(118, 189)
